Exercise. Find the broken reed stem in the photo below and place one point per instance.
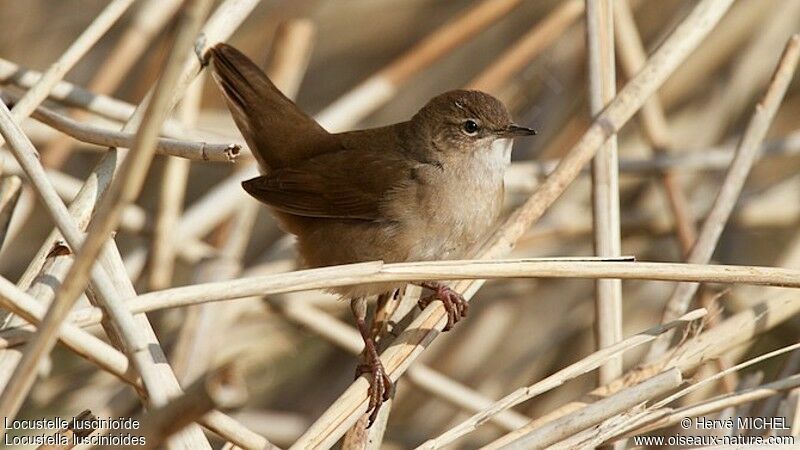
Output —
(196, 151)
(746, 155)
(121, 192)
(590, 415)
(688, 34)
(653, 120)
(605, 181)
(102, 105)
(585, 365)
(381, 87)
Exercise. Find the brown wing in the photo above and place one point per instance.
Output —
(348, 184)
(276, 130)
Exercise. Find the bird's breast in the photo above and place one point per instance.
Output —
(452, 207)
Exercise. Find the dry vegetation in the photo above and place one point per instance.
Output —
(164, 285)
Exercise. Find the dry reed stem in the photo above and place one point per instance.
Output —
(10, 188)
(148, 21)
(196, 151)
(328, 428)
(653, 119)
(605, 181)
(194, 345)
(528, 47)
(593, 414)
(362, 273)
(613, 426)
(120, 193)
(381, 87)
(376, 272)
(44, 85)
(746, 155)
(585, 365)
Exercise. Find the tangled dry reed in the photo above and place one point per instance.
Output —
(175, 299)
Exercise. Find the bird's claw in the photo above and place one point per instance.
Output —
(380, 386)
(454, 303)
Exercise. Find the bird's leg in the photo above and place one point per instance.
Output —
(380, 385)
(454, 303)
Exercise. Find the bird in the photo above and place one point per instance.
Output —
(429, 188)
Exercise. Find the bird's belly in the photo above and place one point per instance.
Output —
(448, 226)
(453, 211)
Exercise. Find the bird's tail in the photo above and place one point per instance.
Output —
(276, 130)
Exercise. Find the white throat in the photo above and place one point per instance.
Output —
(500, 153)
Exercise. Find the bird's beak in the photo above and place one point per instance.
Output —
(514, 130)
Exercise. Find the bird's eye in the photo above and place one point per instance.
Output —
(470, 127)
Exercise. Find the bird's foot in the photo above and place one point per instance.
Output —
(380, 386)
(454, 303)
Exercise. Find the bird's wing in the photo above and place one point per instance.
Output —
(276, 130)
(348, 184)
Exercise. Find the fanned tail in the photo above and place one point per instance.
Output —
(275, 129)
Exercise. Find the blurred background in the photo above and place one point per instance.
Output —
(518, 330)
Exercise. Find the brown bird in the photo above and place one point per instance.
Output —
(426, 189)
